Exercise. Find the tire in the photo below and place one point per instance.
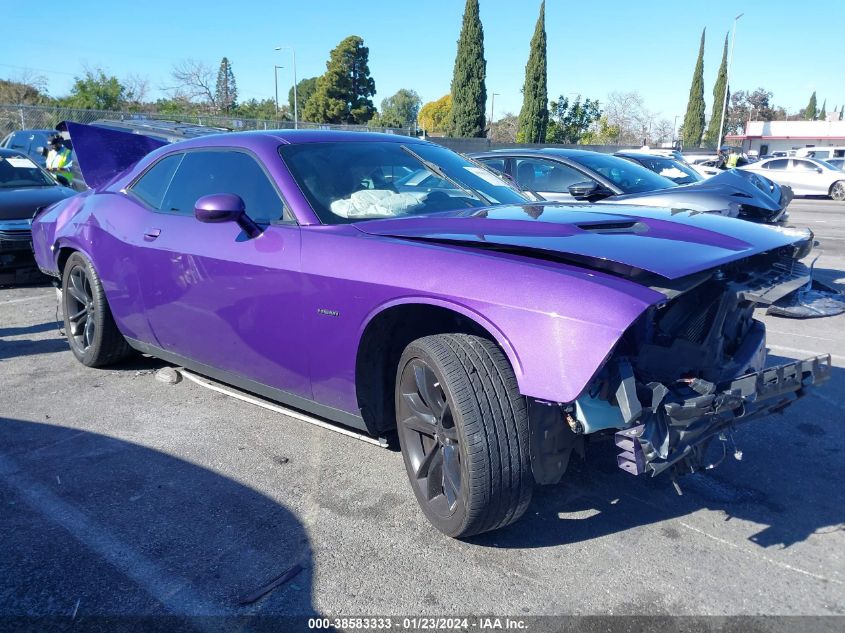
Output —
(463, 430)
(837, 191)
(89, 325)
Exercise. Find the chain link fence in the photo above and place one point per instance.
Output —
(27, 117)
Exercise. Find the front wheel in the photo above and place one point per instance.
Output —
(463, 430)
(837, 191)
(90, 328)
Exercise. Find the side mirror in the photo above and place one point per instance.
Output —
(588, 190)
(225, 207)
(62, 180)
(819, 169)
(41, 150)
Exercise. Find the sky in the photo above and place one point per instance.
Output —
(594, 47)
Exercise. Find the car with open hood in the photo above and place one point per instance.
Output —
(570, 174)
(493, 333)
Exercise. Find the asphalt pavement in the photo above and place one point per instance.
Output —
(122, 495)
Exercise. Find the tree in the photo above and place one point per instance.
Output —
(344, 90)
(304, 89)
(534, 117)
(745, 106)
(693, 127)
(505, 129)
(400, 110)
(226, 91)
(720, 89)
(469, 93)
(603, 133)
(96, 91)
(263, 109)
(27, 88)
(626, 113)
(435, 116)
(570, 122)
(136, 88)
(810, 111)
(193, 82)
(823, 111)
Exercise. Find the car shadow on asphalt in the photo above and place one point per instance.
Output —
(788, 485)
(120, 534)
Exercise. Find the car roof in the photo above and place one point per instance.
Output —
(643, 155)
(5, 152)
(295, 137)
(543, 151)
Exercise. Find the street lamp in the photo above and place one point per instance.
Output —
(492, 105)
(276, 79)
(727, 83)
(295, 100)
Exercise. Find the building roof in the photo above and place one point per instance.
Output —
(771, 130)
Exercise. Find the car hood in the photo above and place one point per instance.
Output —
(724, 187)
(670, 243)
(18, 204)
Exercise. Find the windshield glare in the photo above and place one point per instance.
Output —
(670, 168)
(628, 176)
(20, 171)
(352, 181)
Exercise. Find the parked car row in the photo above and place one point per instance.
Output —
(389, 284)
(569, 175)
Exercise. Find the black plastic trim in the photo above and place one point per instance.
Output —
(241, 382)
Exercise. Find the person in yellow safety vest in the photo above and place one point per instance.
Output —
(59, 159)
(733, 157)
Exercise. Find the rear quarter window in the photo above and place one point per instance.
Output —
(151, 187)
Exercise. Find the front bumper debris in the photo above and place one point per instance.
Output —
(683, 418)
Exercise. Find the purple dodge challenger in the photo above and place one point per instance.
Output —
(385, 283)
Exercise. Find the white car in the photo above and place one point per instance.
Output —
(806, 176)
(706, 166)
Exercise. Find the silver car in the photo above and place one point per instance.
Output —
(806, 176)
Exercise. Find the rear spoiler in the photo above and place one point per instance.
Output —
(103, 153)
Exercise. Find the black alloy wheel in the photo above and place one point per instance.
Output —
(430, 438)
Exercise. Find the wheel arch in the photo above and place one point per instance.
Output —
(389, 329)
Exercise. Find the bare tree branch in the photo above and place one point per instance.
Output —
(195, 81)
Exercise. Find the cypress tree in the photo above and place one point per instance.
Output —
(711, 138)
(693, 126)
(534, 116)
(810, 110)
(823, 111)
(469, 94)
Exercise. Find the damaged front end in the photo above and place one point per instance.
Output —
(685, 373)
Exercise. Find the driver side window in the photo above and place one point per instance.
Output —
(537, 174)
(202, 173)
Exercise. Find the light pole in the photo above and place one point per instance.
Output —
(295, 100)
(492, 105)
(276, 79)
(727, 83)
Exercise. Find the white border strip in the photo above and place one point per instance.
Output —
(279, 409)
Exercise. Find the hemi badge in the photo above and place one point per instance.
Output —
(333, 313)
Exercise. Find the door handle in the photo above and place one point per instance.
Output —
(151, 234)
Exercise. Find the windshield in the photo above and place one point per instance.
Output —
(20, 171)
(352, 181)
(628, 176)
(670, 168)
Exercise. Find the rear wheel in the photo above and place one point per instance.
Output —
(463, 429)
(837, 191)
(89, 326)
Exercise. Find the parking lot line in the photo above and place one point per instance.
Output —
(173, 592)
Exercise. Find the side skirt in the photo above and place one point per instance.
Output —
(271, 393)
